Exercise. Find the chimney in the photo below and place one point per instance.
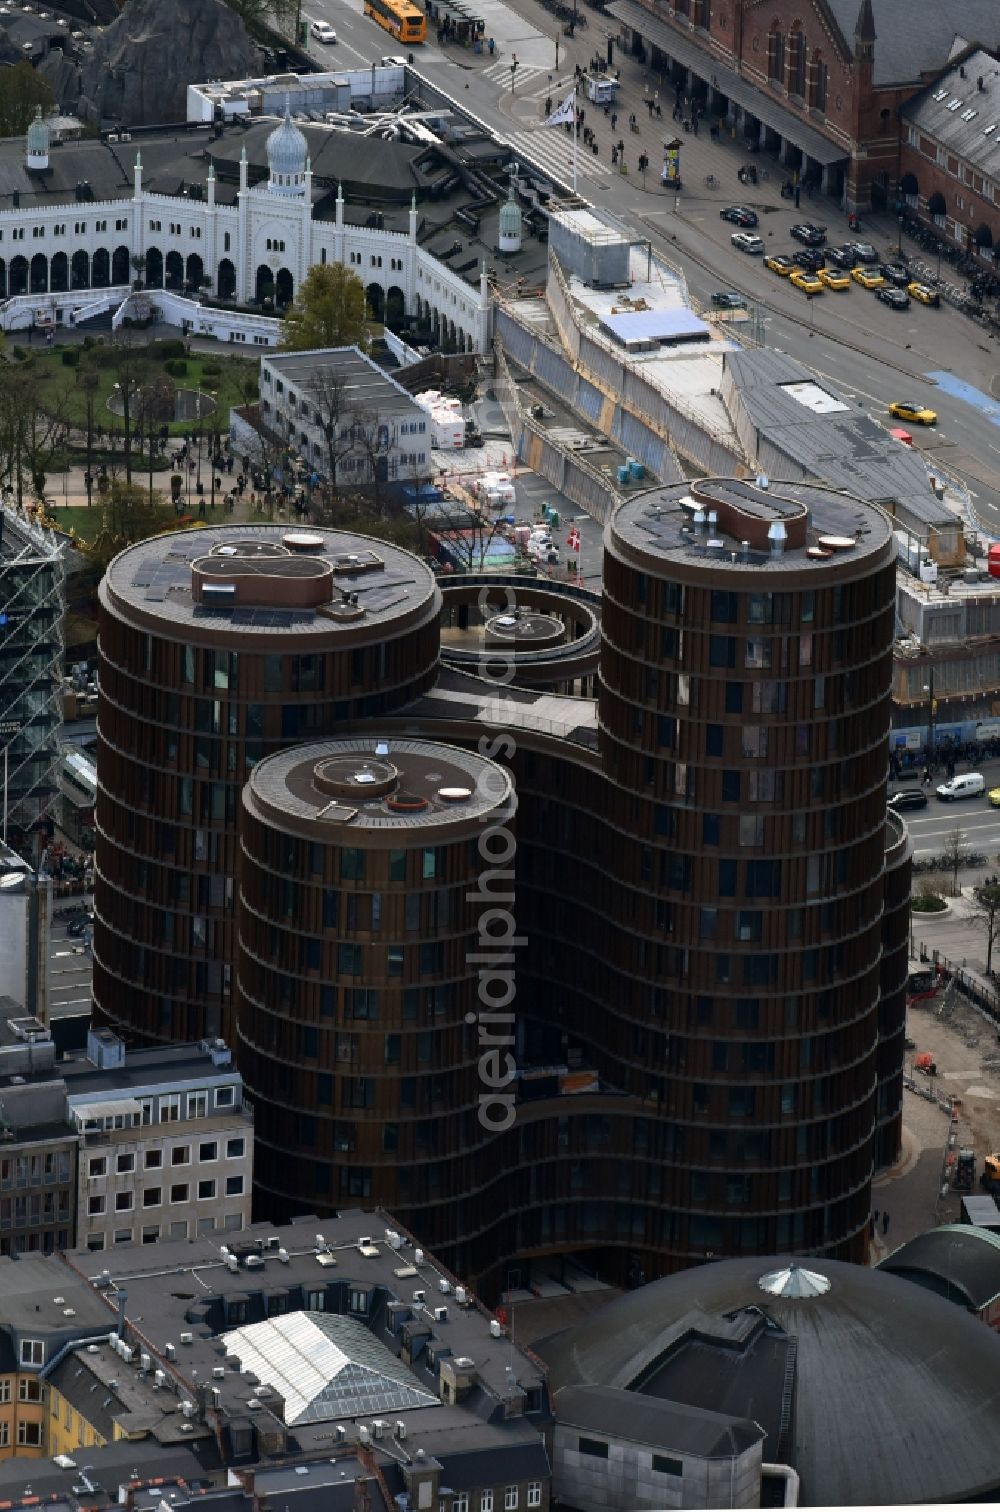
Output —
(777, 536)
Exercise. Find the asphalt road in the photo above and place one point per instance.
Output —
(873, 353)
(978, 823)
(69, 967)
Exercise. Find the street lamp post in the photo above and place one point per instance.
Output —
(931, 710)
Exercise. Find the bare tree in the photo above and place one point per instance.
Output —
(340, 424)
(468, 536)
(89, 382)
(984, 917)
(130, 365)
(154, 402)
(32, 429)
(955, 843)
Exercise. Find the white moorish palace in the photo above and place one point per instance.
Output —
(61, 262)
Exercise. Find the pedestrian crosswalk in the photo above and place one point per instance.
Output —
(499, 73)
(552, 150)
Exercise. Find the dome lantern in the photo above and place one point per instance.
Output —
(37, 143)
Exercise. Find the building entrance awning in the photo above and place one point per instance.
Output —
(771, 112)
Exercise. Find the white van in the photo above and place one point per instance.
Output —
(969, 785)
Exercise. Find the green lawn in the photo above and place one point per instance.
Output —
(61, 386)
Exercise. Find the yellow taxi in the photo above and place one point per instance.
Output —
(916, 414)
(868, 278)
(780, 264)
(994, 796)
(924, 294)
(833, 278)
(807, 282)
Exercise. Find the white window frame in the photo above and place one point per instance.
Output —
(486, 1501)
(32, 1352)
(510, 1498)
(197, 1104)
(534, 1493)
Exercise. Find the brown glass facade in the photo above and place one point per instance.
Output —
(190, 701)
(357, 1000)
(711, 904)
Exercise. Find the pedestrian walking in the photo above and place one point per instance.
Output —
(614, 120)
(927, 776)
(614, 155)
(548, 105)
(885, 1224)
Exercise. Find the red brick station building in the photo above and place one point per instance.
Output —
(825, 85)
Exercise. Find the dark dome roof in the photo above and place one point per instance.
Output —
(897, 1392)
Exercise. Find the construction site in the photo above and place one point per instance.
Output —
(951, 1114)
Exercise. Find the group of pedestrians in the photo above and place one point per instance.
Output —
(873, 1223)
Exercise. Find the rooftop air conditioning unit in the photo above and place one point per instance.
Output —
(418, 1257)
(187, 1338)
(461, 1296)
(218, 1372)
(400, 1428)
(364, 1435)
(440, 1315)
(444, 1287)
(419, 1296)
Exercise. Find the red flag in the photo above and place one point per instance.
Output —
(573, 539)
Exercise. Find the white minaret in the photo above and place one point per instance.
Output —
(413, 217)
(340, 207)
(244, 170)
(138, 174)
(211, 186)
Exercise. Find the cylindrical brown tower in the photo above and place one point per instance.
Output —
(374, 892)
(744, 706)
(217, 647)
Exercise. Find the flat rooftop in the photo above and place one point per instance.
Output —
(340, 788)
(184, 1293)
(152, 582)
(728, 524)
(687, 373)
(364, 385)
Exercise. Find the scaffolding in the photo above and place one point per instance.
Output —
(32, 605)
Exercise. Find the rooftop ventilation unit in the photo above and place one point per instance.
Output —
(444, 1287)
(495, 1328)
(440, 1315)
(187, 1338)
(418, 1257)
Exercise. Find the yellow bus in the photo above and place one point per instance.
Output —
(400, 17)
